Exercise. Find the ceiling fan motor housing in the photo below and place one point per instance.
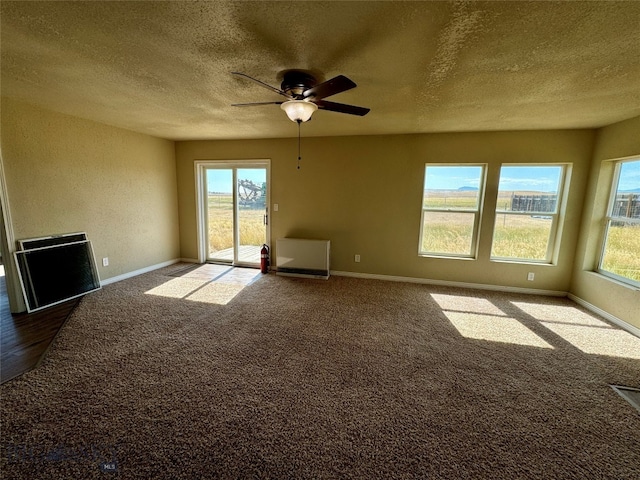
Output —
(302, 87)
(296, 82)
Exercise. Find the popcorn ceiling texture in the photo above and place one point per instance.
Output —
(163, 68)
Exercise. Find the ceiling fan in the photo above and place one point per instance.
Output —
(305, 95)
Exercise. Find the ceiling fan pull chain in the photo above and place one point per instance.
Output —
(299, 122)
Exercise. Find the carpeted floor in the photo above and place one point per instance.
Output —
(170, 376)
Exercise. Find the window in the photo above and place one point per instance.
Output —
(451, 207)
(527, 212)
(620, 256)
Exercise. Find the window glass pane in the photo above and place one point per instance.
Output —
(447, 232)
(252, 191)
(629, 179)
(220, 213)
(521, 236)
(621, 254)
(627, 200)
(529, 188)
(452, 187)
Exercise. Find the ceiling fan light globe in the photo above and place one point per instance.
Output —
(299, 110)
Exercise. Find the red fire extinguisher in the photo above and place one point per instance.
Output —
(264, 259)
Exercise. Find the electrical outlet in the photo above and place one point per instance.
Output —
(105, 262)
(357, 258)
(531, 276)
(275, 207)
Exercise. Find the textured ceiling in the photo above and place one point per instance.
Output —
(163, 68)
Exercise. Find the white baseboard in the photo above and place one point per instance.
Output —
(613, 319)
(444, 283)
(135, 273)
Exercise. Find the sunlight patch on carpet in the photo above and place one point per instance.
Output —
(459, 303)
(216, 293)
(196, 290)
(215, 284)
(212, 272)
(598, 341)
(494, 329)
(206, 271)
(178, 287)
(560, 314)
(219, 292)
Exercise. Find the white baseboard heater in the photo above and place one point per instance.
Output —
(297, 257)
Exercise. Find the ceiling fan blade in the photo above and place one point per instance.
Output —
(262, 84)
(342, 108)
(255, 103)
(330, 87)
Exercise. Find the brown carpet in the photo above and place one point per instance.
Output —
(163, 376)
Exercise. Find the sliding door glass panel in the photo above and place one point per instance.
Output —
(252, 213)
(236, 212)
(220, 214)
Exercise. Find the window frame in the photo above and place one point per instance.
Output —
(609, 218)
(553, 239)
(475, 234)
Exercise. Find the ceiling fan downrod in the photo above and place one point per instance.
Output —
(299, 123)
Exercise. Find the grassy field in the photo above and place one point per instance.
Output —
(520, 236)
(515, 236)
(622, 255)
(465, 199)
(252, 230)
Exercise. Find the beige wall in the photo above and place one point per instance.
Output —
(65, 174)
(135, 196)
(615, 141)
(364, 194)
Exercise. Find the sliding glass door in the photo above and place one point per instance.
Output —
(235, 216)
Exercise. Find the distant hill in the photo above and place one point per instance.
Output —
(468, 189)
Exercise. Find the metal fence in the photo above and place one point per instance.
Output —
(543, 203)
(626, 205)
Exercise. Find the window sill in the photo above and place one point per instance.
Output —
(607, 278)
(523, 262)
(444, 257)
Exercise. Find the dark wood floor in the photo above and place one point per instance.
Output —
(24, 337)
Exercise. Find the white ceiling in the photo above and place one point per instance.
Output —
(163, 68)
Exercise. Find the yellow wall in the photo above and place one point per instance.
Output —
(364, 194)
(65, 174)
(615, 141)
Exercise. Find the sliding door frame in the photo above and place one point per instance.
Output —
(200, 172)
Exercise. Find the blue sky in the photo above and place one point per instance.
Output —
(540, 179)
(629, 176)
(536, 178)
(220, 180)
